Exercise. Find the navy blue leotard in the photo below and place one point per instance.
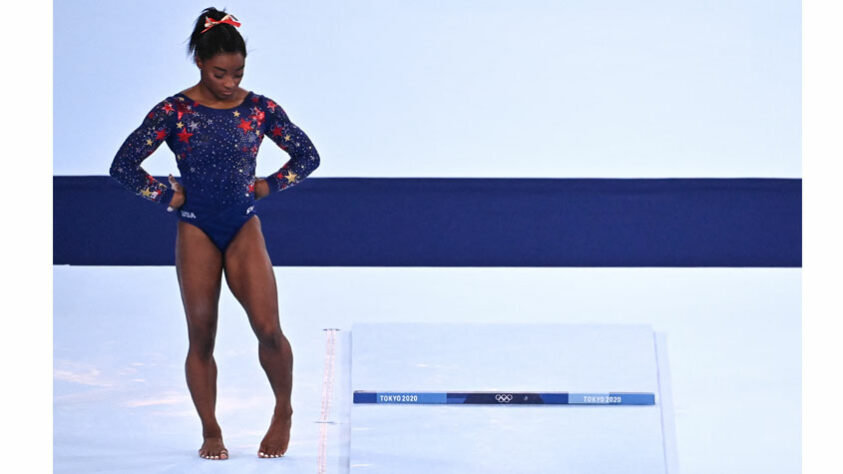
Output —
(216, 152)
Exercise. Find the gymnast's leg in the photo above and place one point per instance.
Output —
(199, 269)
(249, 274)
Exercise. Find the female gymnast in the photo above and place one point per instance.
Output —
(214, 128)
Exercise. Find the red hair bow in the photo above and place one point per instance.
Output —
(228, 19)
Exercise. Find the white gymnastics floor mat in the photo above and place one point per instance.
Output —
(507, 439)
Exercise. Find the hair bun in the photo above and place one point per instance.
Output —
(209, 39)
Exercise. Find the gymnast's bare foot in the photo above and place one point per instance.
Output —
(213, 448)
(274, 444)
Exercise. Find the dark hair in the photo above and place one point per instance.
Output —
(222, 38)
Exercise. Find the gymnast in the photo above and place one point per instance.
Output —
(214, 128)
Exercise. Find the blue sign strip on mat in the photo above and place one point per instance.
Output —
(503, 398)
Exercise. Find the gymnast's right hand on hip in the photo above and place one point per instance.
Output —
(178, 194)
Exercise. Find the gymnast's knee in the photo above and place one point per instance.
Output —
(269, 337)
(201, 344)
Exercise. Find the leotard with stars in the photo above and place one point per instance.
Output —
(216, 151)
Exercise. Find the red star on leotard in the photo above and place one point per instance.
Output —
(161, 134)
(167, 108)
(271, 105)
(184, 136)
(183, 109)
(256, 99)
(277, 131)
(258, 115)
(245, 125)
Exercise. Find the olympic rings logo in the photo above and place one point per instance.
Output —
(503, 398)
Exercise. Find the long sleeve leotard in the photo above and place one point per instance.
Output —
(216, 152)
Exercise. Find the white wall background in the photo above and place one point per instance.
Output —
(598, 88)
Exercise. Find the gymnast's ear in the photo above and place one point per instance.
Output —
(197, 61)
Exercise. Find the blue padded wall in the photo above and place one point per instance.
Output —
(464, 222)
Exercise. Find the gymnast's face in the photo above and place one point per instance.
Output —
(222, 73)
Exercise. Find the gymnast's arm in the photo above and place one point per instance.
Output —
(126, 169)
(303, 155)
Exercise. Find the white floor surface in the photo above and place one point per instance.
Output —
(733, 340)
